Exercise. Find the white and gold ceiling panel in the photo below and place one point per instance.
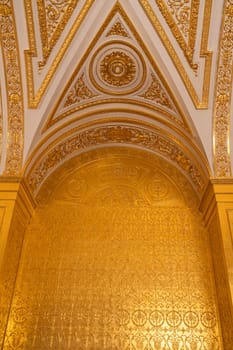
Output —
(117, 70)
(183, 27)
(67, 63)
(51, 28)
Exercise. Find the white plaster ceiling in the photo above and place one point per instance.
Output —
(52, 83)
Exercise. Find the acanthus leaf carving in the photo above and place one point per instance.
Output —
(79, 91)
(117, 134)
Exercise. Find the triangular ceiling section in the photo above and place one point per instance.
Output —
(53, 17)
(182, 17)
(51, 27)
(183, 27)
(117, 68)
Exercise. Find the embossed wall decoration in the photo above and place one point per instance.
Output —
(10, 54)
(119, 262)
(9, 270)
(221, 283)
(223, 96)
(116, 135)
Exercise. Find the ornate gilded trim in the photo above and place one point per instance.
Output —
(14, 92)
(189, 24)
(223, 96)
(103, 118)
(35, 97)
(119, 30)
(155, 92)
(76, 141)
(201, 103)
(116, 9)
(53, 17)
(79, 92)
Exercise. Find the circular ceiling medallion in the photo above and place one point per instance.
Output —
(117, 68)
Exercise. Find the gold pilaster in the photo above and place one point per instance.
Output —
(16, 208)
(217, 208)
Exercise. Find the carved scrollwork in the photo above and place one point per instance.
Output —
(117, 134)
(223, 98)
(14, 92)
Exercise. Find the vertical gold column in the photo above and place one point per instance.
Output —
(217, 207)
(16, 208)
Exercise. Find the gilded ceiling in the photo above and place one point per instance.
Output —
(150, 74)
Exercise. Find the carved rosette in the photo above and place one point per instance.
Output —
(117, 69)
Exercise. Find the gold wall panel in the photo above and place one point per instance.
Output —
(115, 259)
(222, 283)
(9, 270)
(15, 210)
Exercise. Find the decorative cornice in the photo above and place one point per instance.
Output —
(14, 92)
(106, 135)
(223, 95)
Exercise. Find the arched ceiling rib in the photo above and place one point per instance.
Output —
(69, 58)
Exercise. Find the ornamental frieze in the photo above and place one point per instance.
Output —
(116, 135)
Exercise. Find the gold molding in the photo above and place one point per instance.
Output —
(199, 103)
(82, 139)
(49, 43)
(99, 102)
(187, 48)
(116, 9)
(223, 96)
(35, 98)
(14, 90)
(134, 112)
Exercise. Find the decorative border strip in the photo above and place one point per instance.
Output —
(223, 96)
(35, 98)
(81, 140)
(48, 45)
(199, 103)
(14, 91)
(188, 49)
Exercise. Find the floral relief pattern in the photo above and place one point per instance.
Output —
(10, 54)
